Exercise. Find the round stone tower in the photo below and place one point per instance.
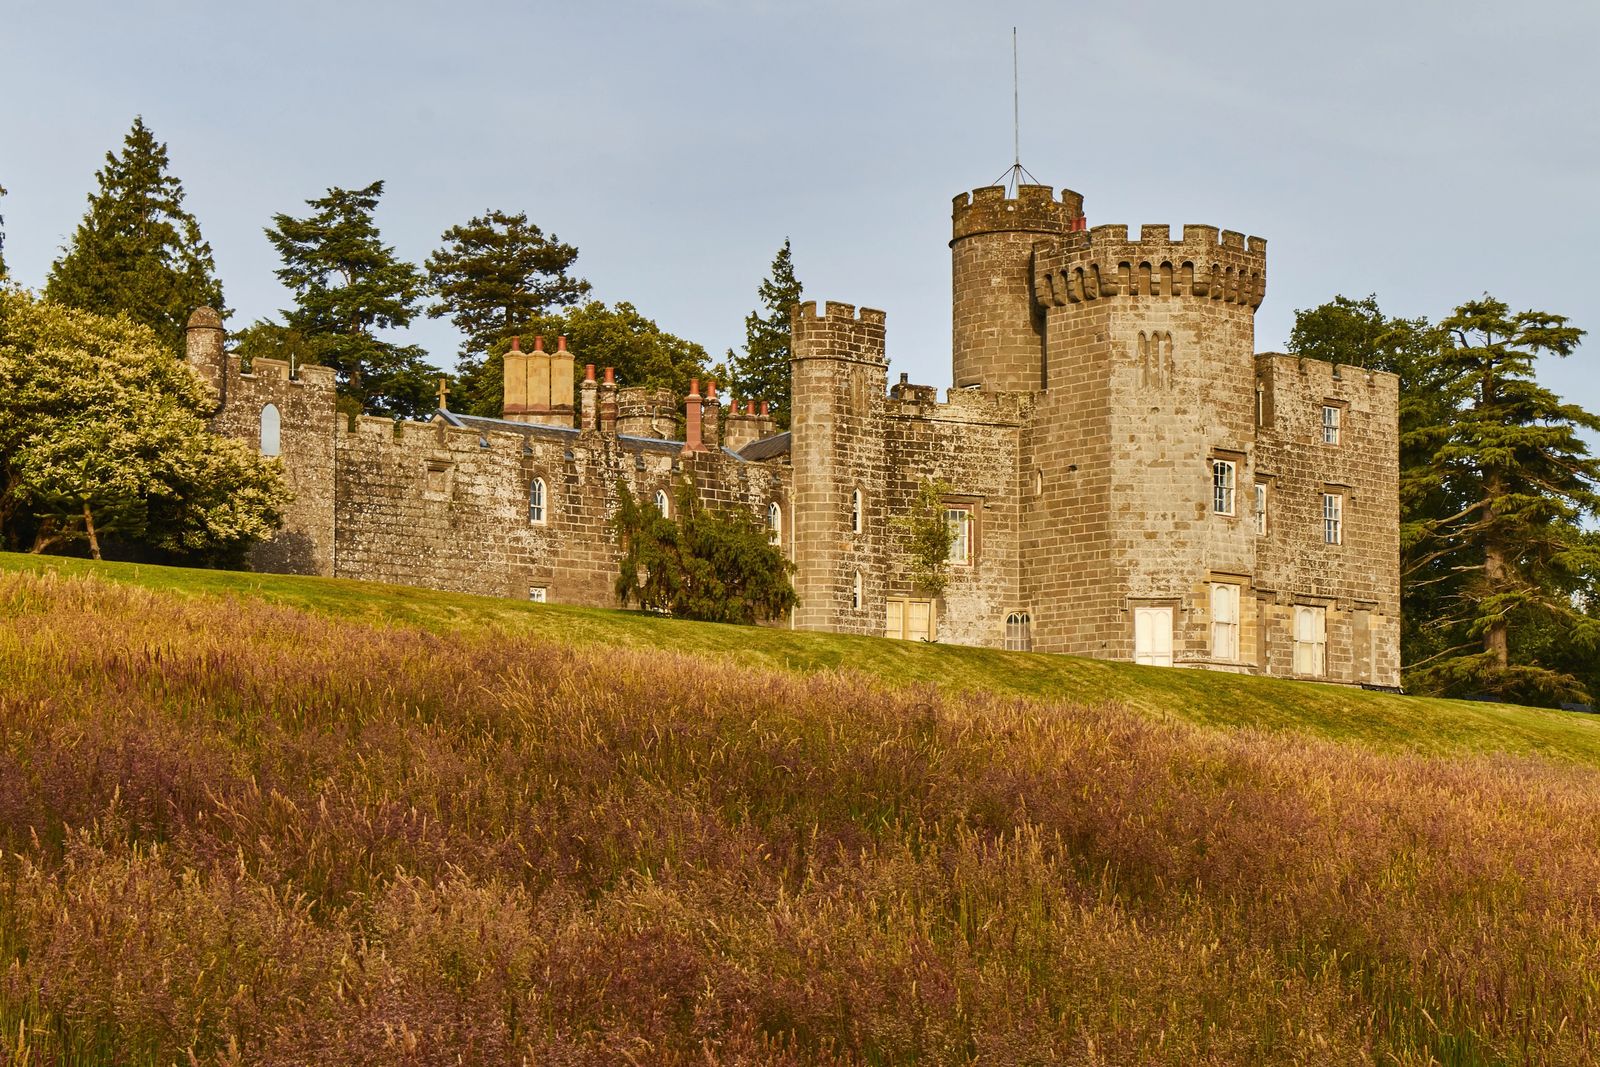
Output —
(997, 330)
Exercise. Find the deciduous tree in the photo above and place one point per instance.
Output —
(102, 434)
(618, 336)
(762, 370)
(349, 285)
(138, 251)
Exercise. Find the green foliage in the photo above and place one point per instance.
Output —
(137, 251)
(927, 537)
(1514, 551)
(494, 274)
(618, 336)
(347, 285)
(762, 372)
(102, 433)
(715, 566)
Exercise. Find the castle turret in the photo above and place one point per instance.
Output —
(838, 373)
(203, 350)
(997, 331)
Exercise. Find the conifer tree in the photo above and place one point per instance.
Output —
(137, 250)
(1513, 555)
(494, 274)
(348, 284)
(2, 238)
(762, 371)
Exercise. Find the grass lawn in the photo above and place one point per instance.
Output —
(1419, 724)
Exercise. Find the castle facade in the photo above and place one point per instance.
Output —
(1127, 478)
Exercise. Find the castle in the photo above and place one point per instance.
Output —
(1127, 478)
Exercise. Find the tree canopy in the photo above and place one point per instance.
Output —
(137, 251)
(618, 336)
(717, 566)
(493, 274)
(102, 435)
(762, 371)
(1499, 589)
(927, 538)
(348, 285)
(2, 238)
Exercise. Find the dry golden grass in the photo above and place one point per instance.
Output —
(247, 833)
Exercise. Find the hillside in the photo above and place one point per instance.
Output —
(248, 819)
(1419, 724)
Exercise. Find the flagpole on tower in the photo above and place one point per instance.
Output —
(1012, 177)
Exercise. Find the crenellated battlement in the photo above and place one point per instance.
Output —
(1205, 262)
(1034, 209)
(839, 332)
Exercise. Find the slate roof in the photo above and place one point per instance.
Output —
(766, 448)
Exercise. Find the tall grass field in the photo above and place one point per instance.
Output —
(254, 820)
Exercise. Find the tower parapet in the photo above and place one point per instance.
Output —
(838, 333)
(1103, 262)
(996, 331)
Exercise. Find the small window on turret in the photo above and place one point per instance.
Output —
(855, 511)
(271, 431)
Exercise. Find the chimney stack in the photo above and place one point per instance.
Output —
(691, 419)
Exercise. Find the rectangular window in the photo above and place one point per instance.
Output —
(1152, 636)
(1225, 621)
(1222, 484)
(536, 594)
(909, 619)
(1261, 509)
(1332, 518)
(1331, 417)
(959, 520)
(1310, 641)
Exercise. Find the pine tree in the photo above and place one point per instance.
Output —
(2, 238)
(762, 372)
(494, 274)
(348, 284)
(137, 251)
(1513, 555)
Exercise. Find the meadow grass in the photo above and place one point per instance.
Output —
(438, 830)
(1421, 724)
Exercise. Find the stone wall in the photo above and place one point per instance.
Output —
(838, 374)
(1357, 581)
(304, 399)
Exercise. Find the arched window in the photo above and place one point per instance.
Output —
(536, 502)
(855, 593)
(1019, 632)
(662, 504)
(856, 518)
(271, 431)
(774, 523)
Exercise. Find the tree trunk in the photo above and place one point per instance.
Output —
(88, 528)
(1494, 573)
(44, 537)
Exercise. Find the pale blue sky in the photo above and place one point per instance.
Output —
(1425, 151)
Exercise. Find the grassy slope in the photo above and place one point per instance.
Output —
(1413, 723)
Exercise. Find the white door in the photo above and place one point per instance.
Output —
(1152, 636)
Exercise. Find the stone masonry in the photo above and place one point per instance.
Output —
(1129, 478)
